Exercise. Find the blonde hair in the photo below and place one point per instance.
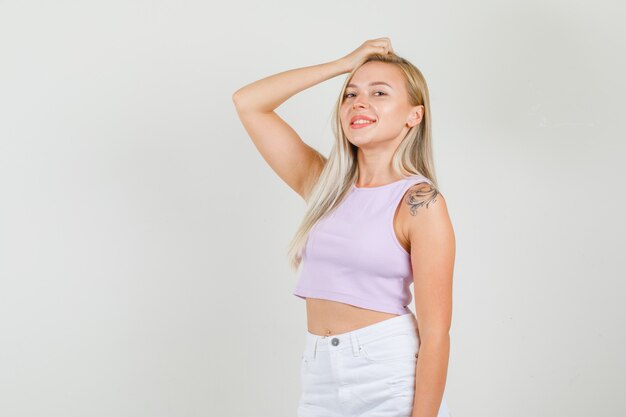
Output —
(413, 156)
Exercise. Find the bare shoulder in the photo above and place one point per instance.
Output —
(424, 213)
(420, 197)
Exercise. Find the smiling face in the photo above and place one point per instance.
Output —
(377, 92)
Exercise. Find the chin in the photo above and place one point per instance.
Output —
(359, 141)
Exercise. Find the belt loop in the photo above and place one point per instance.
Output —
(355, 344)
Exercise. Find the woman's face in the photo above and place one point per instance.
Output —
(386, 105)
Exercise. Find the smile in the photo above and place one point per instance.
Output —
(360, 124)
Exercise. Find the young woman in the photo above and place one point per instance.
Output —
(375, 223)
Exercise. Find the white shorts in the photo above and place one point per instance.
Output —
(368, 372)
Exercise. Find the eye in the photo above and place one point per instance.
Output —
(349, 94)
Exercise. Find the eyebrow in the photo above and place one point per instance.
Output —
(373, 83)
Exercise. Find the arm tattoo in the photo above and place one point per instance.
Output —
(424, 195)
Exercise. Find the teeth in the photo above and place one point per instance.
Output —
(360, 122)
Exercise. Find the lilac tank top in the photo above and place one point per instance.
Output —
(352, 255)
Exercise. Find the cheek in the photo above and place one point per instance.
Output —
(344, 117)
(392, 114)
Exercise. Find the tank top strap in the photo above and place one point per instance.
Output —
(405, 185)
(399, 193)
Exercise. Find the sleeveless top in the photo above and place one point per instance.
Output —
(352, 254)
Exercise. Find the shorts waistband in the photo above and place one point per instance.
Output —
(404, 322)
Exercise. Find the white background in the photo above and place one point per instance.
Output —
(143, 238)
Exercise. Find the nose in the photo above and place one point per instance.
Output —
(359, 103)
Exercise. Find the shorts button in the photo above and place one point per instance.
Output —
(335, 341)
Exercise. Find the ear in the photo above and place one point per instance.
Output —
(416, 116)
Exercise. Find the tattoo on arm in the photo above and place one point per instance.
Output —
(417, 197)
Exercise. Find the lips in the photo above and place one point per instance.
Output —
(361, 117)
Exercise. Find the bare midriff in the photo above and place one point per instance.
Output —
(326, 317)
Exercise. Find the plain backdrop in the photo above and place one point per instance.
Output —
(143, 238)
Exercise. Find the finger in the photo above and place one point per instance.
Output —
(379, 45)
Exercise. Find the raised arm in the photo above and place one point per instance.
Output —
(295, 162)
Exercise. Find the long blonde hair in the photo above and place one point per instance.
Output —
(413, 156)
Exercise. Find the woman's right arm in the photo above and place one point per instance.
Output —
(295, 162)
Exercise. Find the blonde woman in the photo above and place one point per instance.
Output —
(376, 222)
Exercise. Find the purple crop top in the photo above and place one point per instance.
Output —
(352, 255)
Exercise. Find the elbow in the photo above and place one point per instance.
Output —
(236, 97)
(239, 101)
(436, 336)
